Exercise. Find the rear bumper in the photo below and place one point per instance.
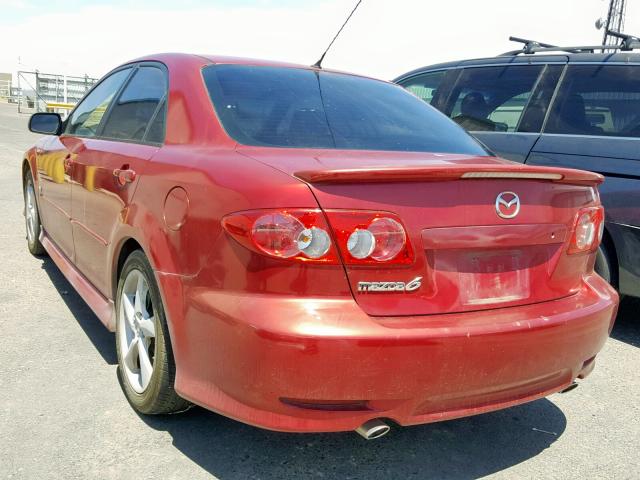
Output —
(242, 355)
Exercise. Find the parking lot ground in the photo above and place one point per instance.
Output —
(63, 416)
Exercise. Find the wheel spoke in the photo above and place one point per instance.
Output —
(139, 299)
(146, 369)
(148, 327)
(144, 298)
(132, 354)
(129, 309)
(30, 213)
(137, 305)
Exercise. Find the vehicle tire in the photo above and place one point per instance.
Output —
(603, 264)
(146, 367)
(32, 217)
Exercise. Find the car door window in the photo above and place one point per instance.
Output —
(424, 86)
(85, 119)
(133, 111)
(597, 100)
(492, 98)
(155, 132)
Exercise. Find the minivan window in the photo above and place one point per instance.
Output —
(597, 100)
(295, 107)
(134, 109)
(425, 86)
(86, 118)
(492, 98)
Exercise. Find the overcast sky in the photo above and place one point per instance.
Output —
(385, 37)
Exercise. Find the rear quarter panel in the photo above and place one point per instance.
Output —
(199, 260)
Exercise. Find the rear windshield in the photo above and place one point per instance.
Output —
(291, 107)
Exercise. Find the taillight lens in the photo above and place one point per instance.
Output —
(368, 238)
(361, 244)
(296, 234)
(283, 235)
(277, 234)
(587, 230)
(390, 238)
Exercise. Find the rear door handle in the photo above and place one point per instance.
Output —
(124, 175)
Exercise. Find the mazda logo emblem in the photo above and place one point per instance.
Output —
(507, 205)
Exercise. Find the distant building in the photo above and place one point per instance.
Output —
(5, 85)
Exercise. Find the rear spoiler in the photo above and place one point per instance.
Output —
(434, 173)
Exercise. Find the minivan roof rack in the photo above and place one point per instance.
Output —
(628, 43)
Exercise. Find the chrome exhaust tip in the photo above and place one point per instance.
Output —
(570, 387)
(373, 429)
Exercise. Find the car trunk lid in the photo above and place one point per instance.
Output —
(467, 257)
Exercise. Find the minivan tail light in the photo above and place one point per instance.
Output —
(587, 230)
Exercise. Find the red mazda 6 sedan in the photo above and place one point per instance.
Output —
(308, 250)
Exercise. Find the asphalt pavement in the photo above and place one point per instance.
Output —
(63, 415)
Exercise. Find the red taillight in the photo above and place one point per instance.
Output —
(296, 234)
(389, 236)
(363, 238)
(587, 230)
(283, 235)
(370, 238)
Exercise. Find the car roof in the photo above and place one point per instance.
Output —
(190, 58)
(617, 57)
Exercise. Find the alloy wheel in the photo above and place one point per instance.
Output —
(137, 331)
(31, 212)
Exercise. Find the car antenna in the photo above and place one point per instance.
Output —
(318, 64)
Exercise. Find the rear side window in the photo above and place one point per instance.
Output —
(492, 98)
(597, 100)
(303, 108)
(155, 132)
(424, 86)
(85, 119)
(134, 110)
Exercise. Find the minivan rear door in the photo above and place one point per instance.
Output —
(594, 124)
(595, 115)
(501, 101)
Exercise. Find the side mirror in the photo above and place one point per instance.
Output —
(45, 123)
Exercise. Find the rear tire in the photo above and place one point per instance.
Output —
(603, 264)
(146, 367)
(32, 217)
